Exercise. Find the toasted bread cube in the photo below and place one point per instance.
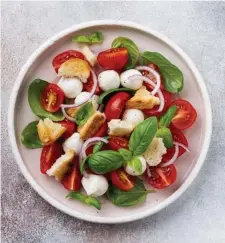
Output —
(72, 111)
(118, 127)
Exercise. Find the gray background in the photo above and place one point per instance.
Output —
(199, 215)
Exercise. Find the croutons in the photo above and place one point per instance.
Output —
(92, 125)
(142, 100)
(72, 111)
(75, 67)
(49, 131)
(118, 127)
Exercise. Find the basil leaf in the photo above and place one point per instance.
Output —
(34, 99)
(84, 113)
(95, 37)
(128, 198)
(135, 164)
(142, 136)
(91, 201)
(81, 39)
(153, 57)
(105, 161)
(82, 164)
(29, 136)
(133, 51)
(166, 135)
(106, 94)
(126, 154)
(97, 147)
(166, 119)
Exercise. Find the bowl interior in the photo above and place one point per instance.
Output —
(42, 68)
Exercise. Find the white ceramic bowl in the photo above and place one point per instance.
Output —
(39, 66)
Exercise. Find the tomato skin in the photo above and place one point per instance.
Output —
(49, 155)
(70, 128)
(122, 180)
(65, 56)
(114, 107)
(72, 180)
(116, 143)
(185, 115)
(113, 59)
(52, 97)
(89, 85)
(162, 177)
(102, 131)
(179, 137)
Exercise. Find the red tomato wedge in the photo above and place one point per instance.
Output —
(113, 59)
(122, 180)
(185, 115)
(162, 177)
(116, 143)
(115, 106)
(89, 85)
(72, 180)
(102, 131)
(70, 128)
(52, 97)
(179, 137)
(49, 155)
(64, 56)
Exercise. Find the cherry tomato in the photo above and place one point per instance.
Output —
(122, 180)
(154, 111)
(64, 56)
(49, 155)
(116, 143)
(179, 137)
(185, 115)
(70, 128)
(102, 131)
(162, 177)
(52, 97)
(114, 107)
(113, 59)
(72, 180)
(89, 85)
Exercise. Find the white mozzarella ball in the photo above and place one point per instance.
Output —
(131, 84)
(109, 79)
(74, 143)
(82, 97)
(95, 185)
(70, 86)
(133, 115)
(136, 166)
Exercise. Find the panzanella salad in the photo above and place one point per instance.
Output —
(108, 123)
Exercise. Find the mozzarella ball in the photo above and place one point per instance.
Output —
(133, 115)
(109, 79)
(74, 143)
(131, 84)
(136, 166)
(82, 97)
(95, 185)
(70, 86)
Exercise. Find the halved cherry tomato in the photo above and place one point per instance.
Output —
(179, 137)
(116, 143)
(89, 85)
(72, 180)
(64, 56)
(185, 115)
(113, 59)
(162, 177)
(70, 128)
(49, 155)
(52, 97)
(114, 107)
(154, 111)
(122, 180)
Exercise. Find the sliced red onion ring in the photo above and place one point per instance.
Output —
(147, 80)
(148, 171)
(66, 115)
(183, 146)
(151, 70)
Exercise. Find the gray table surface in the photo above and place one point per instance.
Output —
(199, 215)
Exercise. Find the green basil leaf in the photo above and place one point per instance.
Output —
(84, 113)
(95, 37)
(105, 161)
(126, 154)
(97, 147)
(91, 201)
(132, 197)
(81, 39)
(34, 99)
(133, 51)
(106, 94)
(153, 57)
(166, 119)
(142, 136)
(135, 164)
(166, 135)
(29, 136)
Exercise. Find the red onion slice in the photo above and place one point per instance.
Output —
(66, 115)
(183, 146)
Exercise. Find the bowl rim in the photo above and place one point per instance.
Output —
(41, 191)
